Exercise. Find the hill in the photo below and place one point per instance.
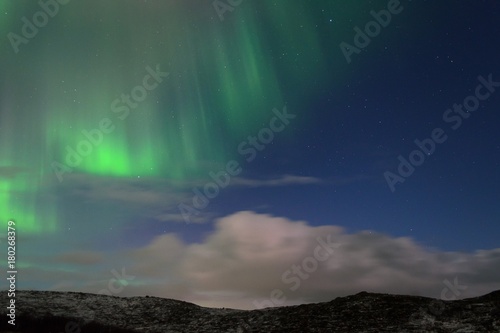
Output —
(71, 312)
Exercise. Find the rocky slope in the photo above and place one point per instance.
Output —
(69, 312)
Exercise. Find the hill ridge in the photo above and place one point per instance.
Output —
(75, 312)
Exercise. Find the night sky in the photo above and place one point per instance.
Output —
(206, 147)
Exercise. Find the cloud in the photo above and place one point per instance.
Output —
(10, 172)
(162, 254)
(156, 198)
(245, 258)
(282, 181)
(79, 258)
(135, 191)
(177, 217)
(287, 180)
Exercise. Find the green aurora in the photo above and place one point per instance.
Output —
(224, 79)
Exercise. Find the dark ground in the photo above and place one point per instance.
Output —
(69, 312)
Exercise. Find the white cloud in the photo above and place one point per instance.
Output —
(244, 259)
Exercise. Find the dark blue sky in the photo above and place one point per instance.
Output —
(395, 91)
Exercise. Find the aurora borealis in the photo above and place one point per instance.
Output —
(115, 113)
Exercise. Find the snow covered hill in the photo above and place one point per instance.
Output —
(70, 312)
